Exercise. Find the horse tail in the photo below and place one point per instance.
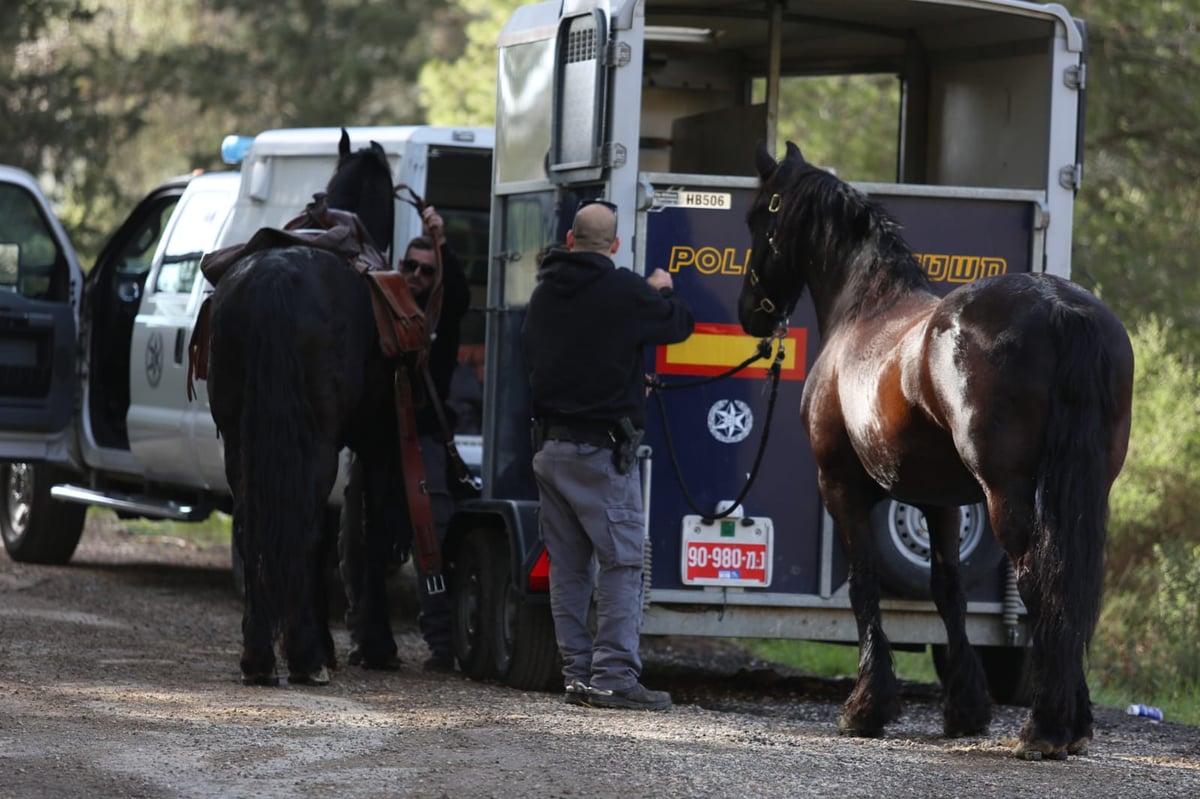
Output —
(1071, 493)
(277, 451)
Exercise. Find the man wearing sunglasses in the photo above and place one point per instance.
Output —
(419, 267)
(584, 340)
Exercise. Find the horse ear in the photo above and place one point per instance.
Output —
(344, 144)
(763, 160)
(377, 147)
(794, 152)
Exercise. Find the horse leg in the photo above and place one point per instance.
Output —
(1060, 721)
(327, 555)
(967, 708)
(258, 645)
(875, 699)
(1081, 737)
(308, 638)
(368, 547)
(1043, 735)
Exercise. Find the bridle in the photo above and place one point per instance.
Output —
(765, 304)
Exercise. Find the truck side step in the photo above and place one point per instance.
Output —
(131, 503)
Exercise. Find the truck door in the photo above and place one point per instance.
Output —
(40, 288)
(159, 410)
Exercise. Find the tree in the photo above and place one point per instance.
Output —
(1137, 209)
(105, 98)
(459, 86)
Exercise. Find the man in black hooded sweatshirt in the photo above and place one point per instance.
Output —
(583, 340)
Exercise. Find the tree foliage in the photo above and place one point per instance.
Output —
(105, 98)
(1140, 201)
(459, 86)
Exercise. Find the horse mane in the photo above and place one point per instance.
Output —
(362, 184)
(847, 236)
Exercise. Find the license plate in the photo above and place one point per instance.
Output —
(728, 552)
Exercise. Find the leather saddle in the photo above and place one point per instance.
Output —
(400, 322)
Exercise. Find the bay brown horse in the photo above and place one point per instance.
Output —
(296, 374)
(1014, 390)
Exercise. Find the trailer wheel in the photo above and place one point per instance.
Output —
(478, 586)
(37, 528)
(526, 650)
(901, 537)
(1008, 669)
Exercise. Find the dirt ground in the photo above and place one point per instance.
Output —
(118, 678)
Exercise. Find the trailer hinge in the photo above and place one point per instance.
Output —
(1076, 77)
(1041, 216)
(612, 155)
(617, 54)
(1071, 176)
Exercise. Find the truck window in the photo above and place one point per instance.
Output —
(193, 234)
(31, 262)
(138, 254)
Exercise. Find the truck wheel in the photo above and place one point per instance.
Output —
(526, 650)
(1008, 669)
(901, 538)
(35, 527)
(477, 594)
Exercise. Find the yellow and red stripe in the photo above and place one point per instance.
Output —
(715, 348)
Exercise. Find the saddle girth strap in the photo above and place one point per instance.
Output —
(461, 472)
(427, 555)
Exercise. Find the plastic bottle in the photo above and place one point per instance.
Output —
(1145, 711)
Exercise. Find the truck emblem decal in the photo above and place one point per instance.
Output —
(730, 420)
(154, 359)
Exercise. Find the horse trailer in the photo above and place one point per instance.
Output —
(656, 106)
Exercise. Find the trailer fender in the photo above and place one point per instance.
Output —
(515, 520)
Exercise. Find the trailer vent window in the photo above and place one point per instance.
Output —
(581, 45)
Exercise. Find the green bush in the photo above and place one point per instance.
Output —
(1155, 498)
(1147, 646)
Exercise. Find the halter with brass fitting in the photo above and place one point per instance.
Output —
(765, 304)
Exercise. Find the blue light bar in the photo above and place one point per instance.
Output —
(234, 148)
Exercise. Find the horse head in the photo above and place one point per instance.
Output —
(771, 289)
(362, 184)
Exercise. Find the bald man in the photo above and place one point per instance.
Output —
(584, 340)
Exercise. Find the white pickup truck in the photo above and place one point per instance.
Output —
(93, 369)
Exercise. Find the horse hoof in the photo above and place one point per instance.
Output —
(318, 678)
(267, 680)
(1080, 747)
(851, 729)
(1031, 752)
(955, 731)
(374, 662)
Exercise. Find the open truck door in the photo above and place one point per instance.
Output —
(40, 287)
(42, 296)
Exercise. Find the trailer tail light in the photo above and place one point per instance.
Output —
(539, 575)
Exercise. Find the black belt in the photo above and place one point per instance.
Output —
(594, 435)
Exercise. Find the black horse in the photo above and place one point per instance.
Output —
(296, 373)
(1014, 390)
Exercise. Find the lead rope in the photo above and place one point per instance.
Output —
(773, 371)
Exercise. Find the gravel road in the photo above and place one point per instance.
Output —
(118, 678)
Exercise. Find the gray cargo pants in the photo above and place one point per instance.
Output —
(588, 508)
